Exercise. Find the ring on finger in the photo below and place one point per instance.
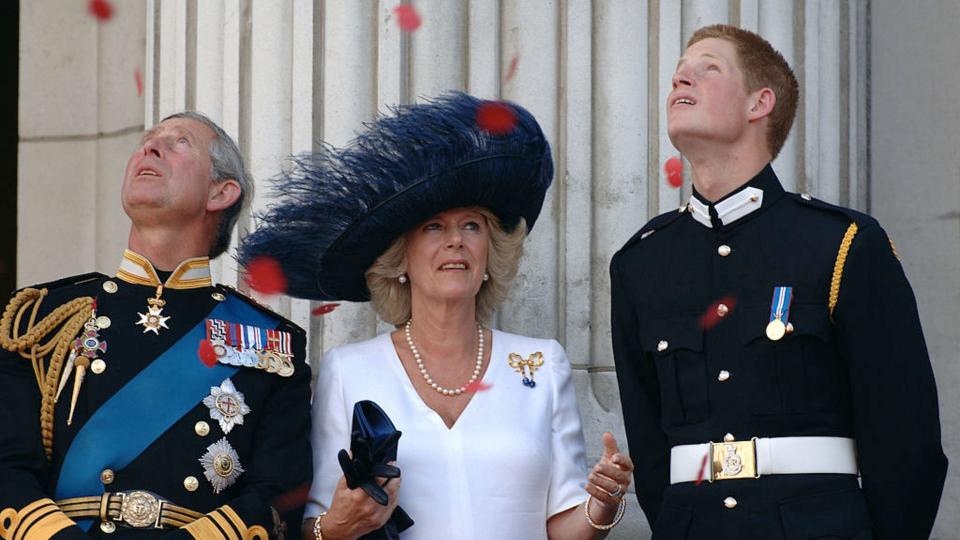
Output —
(618, 493)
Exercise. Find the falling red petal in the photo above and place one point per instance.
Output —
(265, 276)
(703, 465)
(478, 386)
(711, 317)
(139, 80)
(323, 309)
(295, 498)
(407, 17)
(496, 118)
(206, 353)
(674, 169)
(101, 9)
(512, 70)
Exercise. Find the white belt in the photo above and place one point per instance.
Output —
(757, 457)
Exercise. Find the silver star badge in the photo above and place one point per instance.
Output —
(221, 465)
(226, 405)
(153, 320)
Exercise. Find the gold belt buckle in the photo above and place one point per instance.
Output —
(734, 459)
(140, 509)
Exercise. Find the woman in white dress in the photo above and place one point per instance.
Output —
(425, 215)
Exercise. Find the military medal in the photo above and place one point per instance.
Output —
(779, 313)
(85, 349)
(153, 320)
(226, 405)
(278, 343)
(221, 465)
(526, 368)
(249, 346)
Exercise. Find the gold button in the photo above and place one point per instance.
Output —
(103, 322)
(190, 483)
(789, 328)
(729, 437)
(662, 346)
(730, 502)
(219, 297)
(106, 477)
(724, 250)
(108, 526)
(98, 366)
(754, 198)
(724, 375)
(110, 286)
(202, 428)
(722, 310)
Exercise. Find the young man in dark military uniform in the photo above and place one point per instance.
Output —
(767, 344)
(153, 403)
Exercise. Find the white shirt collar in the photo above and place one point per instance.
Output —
(730, 209)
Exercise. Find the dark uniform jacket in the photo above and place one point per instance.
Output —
(271, 445)
(855, 365)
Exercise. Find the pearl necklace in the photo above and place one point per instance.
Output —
(429, 379)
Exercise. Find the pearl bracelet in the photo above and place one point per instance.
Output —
(616, 519)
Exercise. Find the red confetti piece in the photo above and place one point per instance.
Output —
(407, 17)
(478, 386)
(674, 169)
(324, 309)
(139, 80)
(703, 465)
(496, 118)
(512, 70)
(206, 353)
(101, 9)
(295, 498)
(712, 316)
(265, 276)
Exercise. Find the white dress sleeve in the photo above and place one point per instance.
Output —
(568, 472)
(330, 433)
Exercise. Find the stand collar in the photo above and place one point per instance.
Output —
(192, 273)
(746, 199)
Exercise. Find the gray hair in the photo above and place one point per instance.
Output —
(226, 163)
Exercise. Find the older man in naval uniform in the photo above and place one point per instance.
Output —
(153, 403)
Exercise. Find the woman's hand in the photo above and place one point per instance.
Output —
(353, 513)
(609, 480)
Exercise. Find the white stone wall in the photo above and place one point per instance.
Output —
(280, 75)
(915, 190)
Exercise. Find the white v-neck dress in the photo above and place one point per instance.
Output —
(514, 457)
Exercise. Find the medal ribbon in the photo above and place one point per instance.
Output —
(780, 306)
(147, 406)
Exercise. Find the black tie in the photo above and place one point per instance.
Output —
(715, 218)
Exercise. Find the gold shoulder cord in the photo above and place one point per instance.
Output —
(69, 318)
(838, 266)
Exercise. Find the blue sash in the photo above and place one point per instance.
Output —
(147, 406)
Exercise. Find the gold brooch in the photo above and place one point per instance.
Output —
(526, 368)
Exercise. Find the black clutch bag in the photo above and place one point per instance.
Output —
(373, 443)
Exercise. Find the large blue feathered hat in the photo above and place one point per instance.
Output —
(340, 209)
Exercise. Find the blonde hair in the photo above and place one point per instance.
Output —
(391, 299)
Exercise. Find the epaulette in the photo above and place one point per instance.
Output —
(66, 282)
(655, 224)
(259, 306)
(861, 219)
